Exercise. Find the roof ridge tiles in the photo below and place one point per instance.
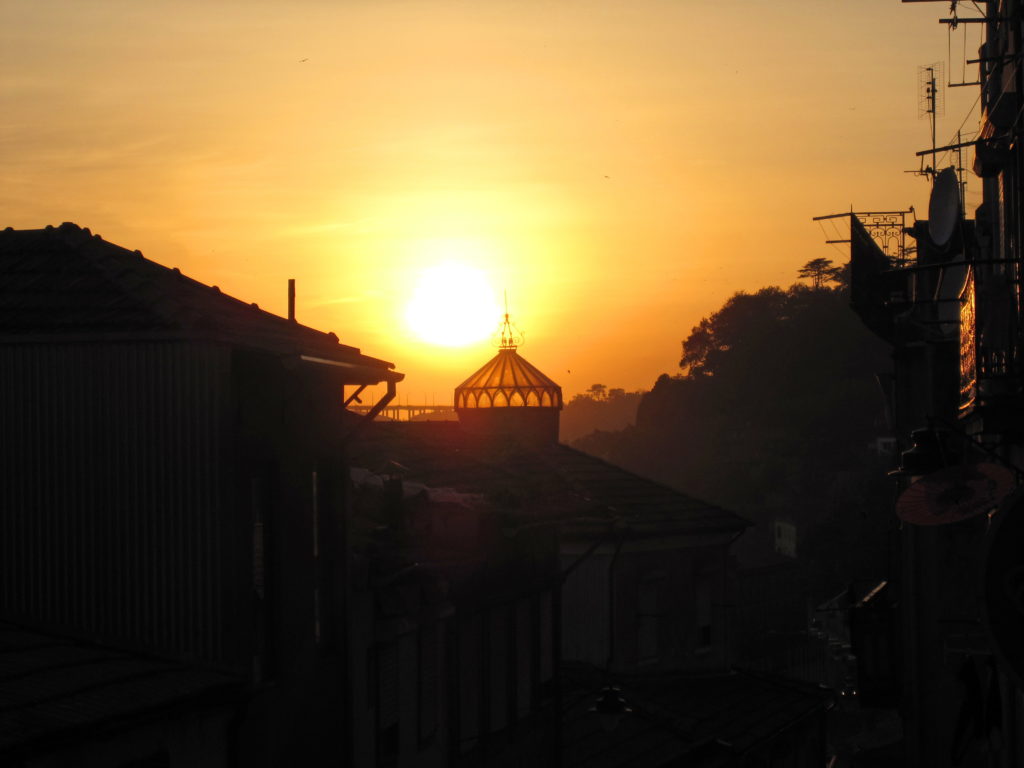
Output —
(701, 505)
(152, 294)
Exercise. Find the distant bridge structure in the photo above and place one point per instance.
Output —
(406, 412)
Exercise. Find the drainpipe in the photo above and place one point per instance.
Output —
(611, 610)
(727, 615)
(616, 526)
(556, 660)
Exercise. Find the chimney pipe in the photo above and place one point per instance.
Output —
(291, 299)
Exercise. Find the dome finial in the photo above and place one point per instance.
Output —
(511, 337)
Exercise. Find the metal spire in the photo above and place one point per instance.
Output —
(511, 337)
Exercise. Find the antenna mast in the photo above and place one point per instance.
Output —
(961, 181)
(930, 101)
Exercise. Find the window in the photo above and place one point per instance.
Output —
(316, 556)
(469, 681)
(524, 658)
(262, 586)
(498, 668)
(648, 615)
(546, 637)
(703, 613)
(785, 537)
(387, 704)
(427, 679)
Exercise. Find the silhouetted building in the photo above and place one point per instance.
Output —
(456, 615)
(174, 486)
(944, 638)
(203, 554)
(643, 585)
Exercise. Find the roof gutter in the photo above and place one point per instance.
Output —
(368, 375)
(372, 374)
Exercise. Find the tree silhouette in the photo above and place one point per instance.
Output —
(746, 321)
(772, 415)
(585, 413)
(820, 271)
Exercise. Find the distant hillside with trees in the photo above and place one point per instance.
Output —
(598, 409)
(774, 414)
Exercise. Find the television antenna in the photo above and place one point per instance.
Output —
(931, 101)
(953, 23)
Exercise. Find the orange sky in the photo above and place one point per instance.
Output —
(619, 167)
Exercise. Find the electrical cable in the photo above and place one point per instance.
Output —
(827, 237)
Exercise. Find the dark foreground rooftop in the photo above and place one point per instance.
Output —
(56, 691)
(537, 483)
(66, 283)
(689, 720)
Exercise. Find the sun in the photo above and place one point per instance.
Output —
(452, 306)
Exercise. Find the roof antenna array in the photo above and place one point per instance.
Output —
(953, 22)
(930, 100)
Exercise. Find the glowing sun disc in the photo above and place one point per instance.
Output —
(452, 306)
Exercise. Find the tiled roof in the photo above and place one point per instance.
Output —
(682, 720)
(549, 482)
(57, 689)
(63, 281)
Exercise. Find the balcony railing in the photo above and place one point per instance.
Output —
(968, 346)
(987, 357)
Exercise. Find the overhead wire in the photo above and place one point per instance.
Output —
(827, 237)
(942, 155)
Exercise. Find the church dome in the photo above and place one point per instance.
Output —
(508, 397)
(508, 381)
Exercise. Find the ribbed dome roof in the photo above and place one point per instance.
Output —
(508, 381)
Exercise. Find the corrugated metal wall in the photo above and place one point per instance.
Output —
(110, 486)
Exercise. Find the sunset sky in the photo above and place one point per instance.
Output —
(620, 168)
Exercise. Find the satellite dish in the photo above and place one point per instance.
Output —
(1002, 585)
(955, 493)
(944, 207)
